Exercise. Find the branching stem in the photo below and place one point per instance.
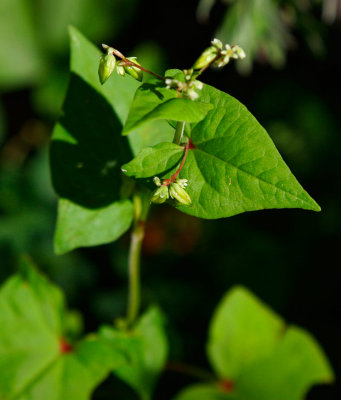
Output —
(167, 182)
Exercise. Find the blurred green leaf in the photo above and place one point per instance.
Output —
(243, 330)
(145, 350)
(87, 151)
(21, 59)
(36, 360)
(250, 346)
(289, 372)
(258, 27)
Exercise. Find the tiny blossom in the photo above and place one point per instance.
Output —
(192, 94)
(182, 182)
(120, 70)
(157, 181)
(197, 84)
(179, 194)
(240, 52)
(160, 195)
(217, 43)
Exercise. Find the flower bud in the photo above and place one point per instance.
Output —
(206, 58)
(120, 70)
(239, 51)
(157, 181)
(217, 43)
(160, 195)
(133, 71)
(106, 66)
(178, 193)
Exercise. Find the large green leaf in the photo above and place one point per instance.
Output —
(145, 350)
(242, 330)
(35, 360)
(234, 166)
(251, 347)
(87, 151)
(153, 101)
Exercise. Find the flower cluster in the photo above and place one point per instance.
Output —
(218, 54)
(107, 64)
(171, 189)
(187, 89)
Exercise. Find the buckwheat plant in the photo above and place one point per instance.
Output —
(129, 139)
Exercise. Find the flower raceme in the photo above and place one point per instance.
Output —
(127, 65)
(171, 189)
(218, 54)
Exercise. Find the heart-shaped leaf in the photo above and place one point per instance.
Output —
(87, 151)
(36, 361)
(232, 166)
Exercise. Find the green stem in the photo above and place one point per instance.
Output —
(141, 204)
(179, 132)
(191, 370)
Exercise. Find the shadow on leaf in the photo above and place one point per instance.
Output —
(87, 149)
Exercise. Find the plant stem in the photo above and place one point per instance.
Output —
(191, 370)
(179, 132)
(173, 178)
(137, 235)
(131, 63)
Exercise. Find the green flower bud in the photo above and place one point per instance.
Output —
(178, 193)
(120, 70)
(135, 72)
(160, 195)
(206, 58)
(239, 52)
(106, 66)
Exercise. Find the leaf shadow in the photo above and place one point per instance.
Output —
(152, 88)
(87, 148)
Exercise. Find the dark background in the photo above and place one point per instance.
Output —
(289, 258)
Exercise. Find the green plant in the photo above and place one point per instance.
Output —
(203, 152)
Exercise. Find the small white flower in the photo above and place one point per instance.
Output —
(157, 181)
(197, 84)
(192, 94)
(182, 182)
(239, 51)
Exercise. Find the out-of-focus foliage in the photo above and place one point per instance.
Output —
(37, 361)
(264, 28)
(34, 41)
(297, 109)
(256, 356)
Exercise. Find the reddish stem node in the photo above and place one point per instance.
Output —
(167, 182)
(65, 347)
(226, 386)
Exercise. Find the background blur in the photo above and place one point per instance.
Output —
(290, 81)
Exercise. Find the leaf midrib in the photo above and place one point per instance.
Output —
(253, 176)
